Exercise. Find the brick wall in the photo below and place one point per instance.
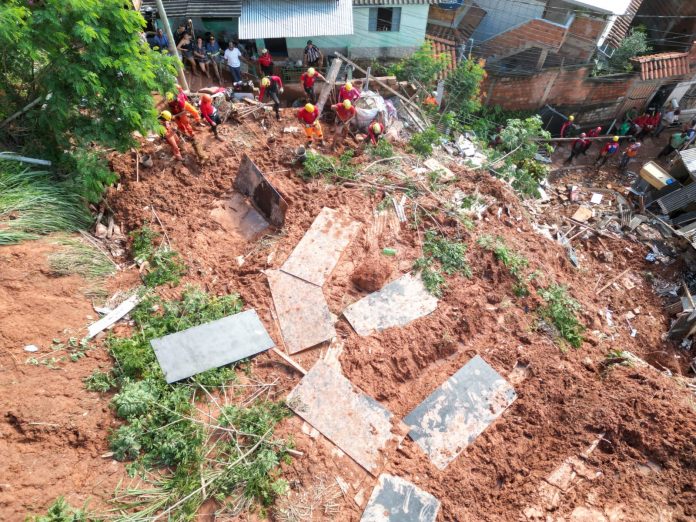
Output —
(572, 91)
(535, 33)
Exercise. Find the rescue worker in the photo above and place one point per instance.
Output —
(374, 132)
(179, 114)
(579, 147)
(170, 134)
(345, 113)
(309, 116)
(592, 133)
(210, 114)
(307, 79)
(630, 153)
(676, 141)
(566, 127)
(273, 86)
(609, 149)
(348, 92)
(266, 62)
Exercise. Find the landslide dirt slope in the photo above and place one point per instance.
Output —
(641, 469)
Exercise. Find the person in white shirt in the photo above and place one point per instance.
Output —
(670, 118)
(233, 57)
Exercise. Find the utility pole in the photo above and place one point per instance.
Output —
(172, 45)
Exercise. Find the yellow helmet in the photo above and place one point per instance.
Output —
(166, 115)
(347, 104)
(349, 86)
(309, 107)
(265, 81)
(571, 118)
(615, 138)
(376, 128)
(311, 71)
(170, 96)
(264, 51)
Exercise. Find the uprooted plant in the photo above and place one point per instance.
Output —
(160, 264)
(560, 311)
(331, 169)
(515, 263)
(194, 440)
(440, 255)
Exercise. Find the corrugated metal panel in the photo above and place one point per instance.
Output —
(677, 199)
(198, 8)
(688, 157)
(622, 24)
(364, 3)
(283, 19)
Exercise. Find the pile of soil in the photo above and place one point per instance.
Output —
(372, 273)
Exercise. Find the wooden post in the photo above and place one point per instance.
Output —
(172, 45)
(330, 83)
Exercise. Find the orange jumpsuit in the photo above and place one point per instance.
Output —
(171, 137)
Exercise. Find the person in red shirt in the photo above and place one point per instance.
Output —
(170, 134)
(179, 114)
(375, 131)
(579, 147)
(273, 86)
(609, 149)
(592, 133)
(210, 114)
(307, 79)
(348, 92)
(630, 153)
(566, 127)
(266, 63)
(309, 116)
(345, 113)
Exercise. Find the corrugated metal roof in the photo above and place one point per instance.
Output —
(198, 8)
(688, 157)
(365, 3)
(284, 19)
(677, 199)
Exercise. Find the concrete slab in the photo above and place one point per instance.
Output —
(451, 418)
(251, 182)
(353, 421)
(304, 316)
(397, 500)
(237, 216)
(318, 252)
(211, 345)
(397, 304)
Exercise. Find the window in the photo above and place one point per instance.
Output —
(385, 19)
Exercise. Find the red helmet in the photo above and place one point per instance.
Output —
(206, 98)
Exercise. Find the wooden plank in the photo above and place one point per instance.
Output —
(330, 83)
(113, 317)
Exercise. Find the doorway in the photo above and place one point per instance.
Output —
(276, 46)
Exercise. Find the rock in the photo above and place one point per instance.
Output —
(100, 231)
(371, 275)
(31, 348)
(606, 256)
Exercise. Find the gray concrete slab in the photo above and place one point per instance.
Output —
(353, 421)
(397, 304)
(211, 345)
(451, 418)
(319, 250)
(251, 182)
(304, 316)
(395, 499)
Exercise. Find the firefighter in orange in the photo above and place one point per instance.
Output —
(180, 113)
(170, 134)
(309, 116)
(345, 113)
(374, 132)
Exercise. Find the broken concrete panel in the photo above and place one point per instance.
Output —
(251, 182)
(304, 316)
(353, 421)
(397, 304)
(451, 418)
(397, 500)
(435, 166)
(211, 345)
(237, 216)
(319, 250)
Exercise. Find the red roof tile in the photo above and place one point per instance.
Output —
(447, 48)
(662, 65)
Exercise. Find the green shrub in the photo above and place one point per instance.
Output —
(560, 310)
(463, 87)
(331, 169)
(61, 511)
(423, 65)
(164, 265)
(440, 255)
(422, 142)
(100, 382)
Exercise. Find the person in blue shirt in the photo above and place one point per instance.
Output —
(161, 41)
(212, 48)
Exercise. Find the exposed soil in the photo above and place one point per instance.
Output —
(643, 467)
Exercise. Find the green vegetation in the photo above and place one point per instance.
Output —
(230, 456)
(383, 149)
(634, 44)
(100, 382)
(515, 263)
(78, 257)
(72, 350)
(514, 159)
(61, 511)
(560, 311)
(422, 142)
(92, 76)
(163, 264)
(31, 204)
(423, 66)
(464, 83)
(333, 170)
(440, 255)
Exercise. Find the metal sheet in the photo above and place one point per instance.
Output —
(353, 421)
(677, 199)
(397, 304)
(318, 252)
(283, 19)
(211, 345)
(304, 316)
(197, 8)
(397, 500)
(445, 423)
(251, 182)
(688, 157)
